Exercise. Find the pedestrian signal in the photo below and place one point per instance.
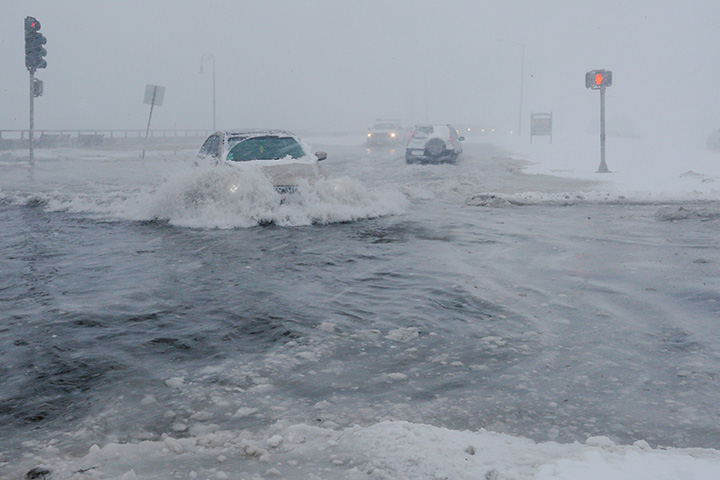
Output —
(596, 79)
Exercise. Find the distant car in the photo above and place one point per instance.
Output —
(279, 154)
(385, 132)
(433, 144)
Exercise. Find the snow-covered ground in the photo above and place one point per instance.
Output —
(392, 450)
(659, 168)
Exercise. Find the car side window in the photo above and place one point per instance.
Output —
(211, 146)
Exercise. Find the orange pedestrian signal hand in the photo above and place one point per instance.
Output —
(597, 79)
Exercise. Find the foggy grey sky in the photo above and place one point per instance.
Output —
(336, 65)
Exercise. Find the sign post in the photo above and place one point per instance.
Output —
(600, 80)
(154, 95)
(541, 125)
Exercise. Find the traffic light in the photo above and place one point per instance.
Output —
(596, 79)
(34, 41)
(37, 87)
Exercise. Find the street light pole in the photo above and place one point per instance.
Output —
(426, 98)
(522, 81)
(210, 56)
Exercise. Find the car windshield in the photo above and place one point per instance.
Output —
(265, 148)
(422, 132)
(384, 126)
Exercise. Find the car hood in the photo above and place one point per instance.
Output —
(287, 171)
(292, 173)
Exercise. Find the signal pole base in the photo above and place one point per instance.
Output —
(603, 168)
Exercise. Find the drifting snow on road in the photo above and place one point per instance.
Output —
(392, 321)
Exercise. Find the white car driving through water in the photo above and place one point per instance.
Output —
(278, 154)
(385, 133)
(433, 144)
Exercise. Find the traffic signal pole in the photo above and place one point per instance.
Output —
(600, 80)
(32, 119)
(34, 53)
(603, 168)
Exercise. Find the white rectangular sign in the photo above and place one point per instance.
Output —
(154, 95)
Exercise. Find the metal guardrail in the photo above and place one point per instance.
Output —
(23, 134)
(18, 139)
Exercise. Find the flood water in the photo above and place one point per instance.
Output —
(425, 293)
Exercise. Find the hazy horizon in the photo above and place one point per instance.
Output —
(336, 66)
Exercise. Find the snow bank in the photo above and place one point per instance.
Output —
(389, 450)
(659, 166)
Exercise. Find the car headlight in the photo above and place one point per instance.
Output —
(392, 134)
(369, 134)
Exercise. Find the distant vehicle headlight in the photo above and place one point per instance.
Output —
(392, 134)
(369, 134)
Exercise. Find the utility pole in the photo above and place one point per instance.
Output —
(522, 84)
(522, 81)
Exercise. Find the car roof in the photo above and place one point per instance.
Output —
(434, 125)
(253, 132)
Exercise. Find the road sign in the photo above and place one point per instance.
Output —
(541, 125)
(154, 95)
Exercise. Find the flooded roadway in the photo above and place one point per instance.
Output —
(469, 296)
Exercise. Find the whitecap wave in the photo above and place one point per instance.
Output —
(212, 197)
(220, 198)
